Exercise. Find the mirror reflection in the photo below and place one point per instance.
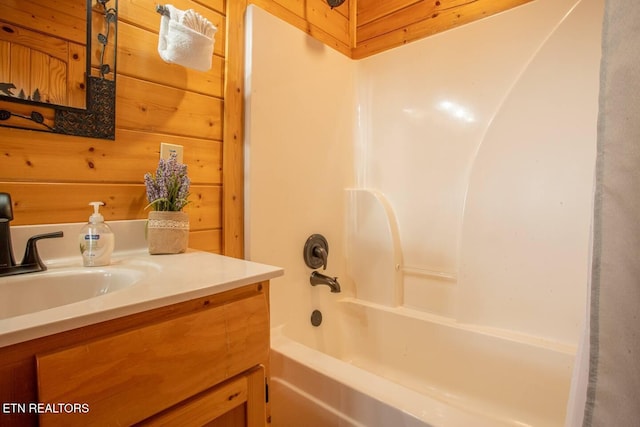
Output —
(57, 66)
(47, 62)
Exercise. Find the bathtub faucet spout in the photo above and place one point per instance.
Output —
(320, 279)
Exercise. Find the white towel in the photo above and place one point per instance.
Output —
(186, 38)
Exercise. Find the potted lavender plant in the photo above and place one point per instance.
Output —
(168, 193)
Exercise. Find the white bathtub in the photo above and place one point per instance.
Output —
(370, 365)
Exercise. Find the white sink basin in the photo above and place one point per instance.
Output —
(29, 293)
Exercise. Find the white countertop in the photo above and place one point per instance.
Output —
(165, 279)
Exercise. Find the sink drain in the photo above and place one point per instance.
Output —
(316, 318)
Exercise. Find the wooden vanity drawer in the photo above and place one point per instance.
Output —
(128, 377)
(206, 407)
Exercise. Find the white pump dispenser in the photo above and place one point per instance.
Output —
(96, 239)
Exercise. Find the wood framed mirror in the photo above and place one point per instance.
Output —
(58, 66)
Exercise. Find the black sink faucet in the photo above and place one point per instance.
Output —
(6, 215)
(31, 261)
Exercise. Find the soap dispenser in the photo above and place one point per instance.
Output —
(96, 239)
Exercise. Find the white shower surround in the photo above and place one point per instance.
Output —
(482, 141)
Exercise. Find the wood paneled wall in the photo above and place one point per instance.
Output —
(361, 28)
(384, 24)
(52, 178)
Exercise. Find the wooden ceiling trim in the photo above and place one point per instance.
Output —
(423, 20)
(371, 10)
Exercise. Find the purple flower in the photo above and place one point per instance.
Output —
(169, 189)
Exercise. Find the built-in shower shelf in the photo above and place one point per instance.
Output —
(424, 272)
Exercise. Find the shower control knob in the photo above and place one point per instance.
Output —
(321, 253)
(316, 251)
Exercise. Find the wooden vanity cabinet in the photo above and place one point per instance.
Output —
(200, 362)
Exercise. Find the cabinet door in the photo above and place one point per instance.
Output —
(245, 394)
(126, 378)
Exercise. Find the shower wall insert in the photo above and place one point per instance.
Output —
(460, 235)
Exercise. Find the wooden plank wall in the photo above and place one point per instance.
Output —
(385, 24)
(52, 177)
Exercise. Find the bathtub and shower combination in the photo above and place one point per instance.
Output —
(376, 366)
(373, 362)
(500, 349)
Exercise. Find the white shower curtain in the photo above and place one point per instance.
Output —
(614, 339)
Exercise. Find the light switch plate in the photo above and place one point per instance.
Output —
(166, 149)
